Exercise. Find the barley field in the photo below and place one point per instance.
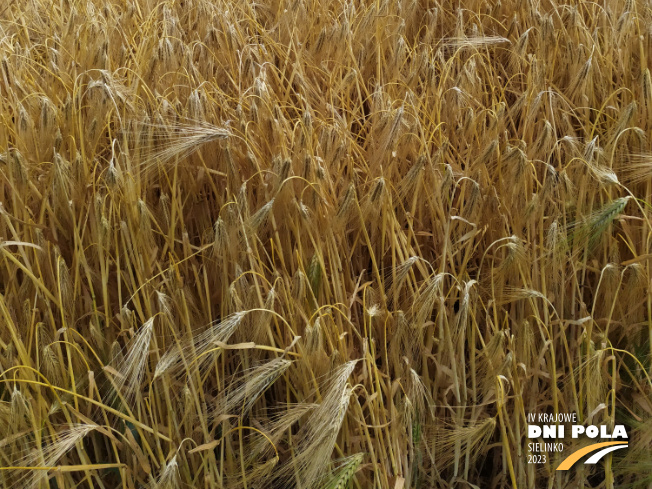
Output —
(322, 244)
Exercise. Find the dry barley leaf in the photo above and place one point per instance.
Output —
(138, 452)
(112, 371)
(237, 346)
(205, 446)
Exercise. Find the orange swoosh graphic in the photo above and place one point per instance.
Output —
(575, 456)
